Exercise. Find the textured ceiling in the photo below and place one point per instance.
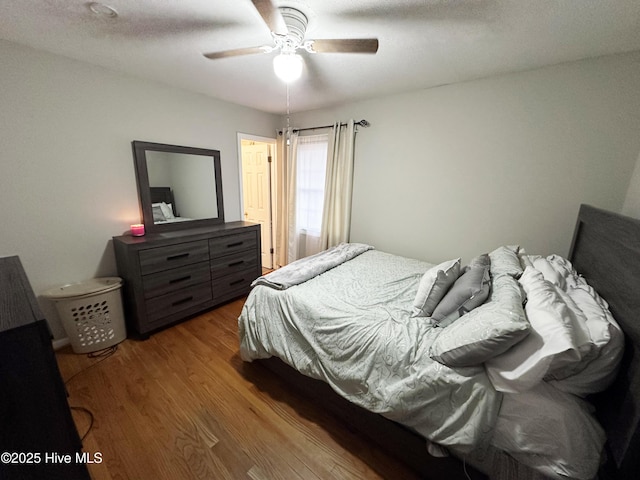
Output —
(423, 43)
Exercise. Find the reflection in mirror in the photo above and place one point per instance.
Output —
(179, 187)
(189, 180)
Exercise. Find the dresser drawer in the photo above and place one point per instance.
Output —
(171, 280)
(233, 285)
(232, 243)
(222, 266)
(159, 307)
(172, 256)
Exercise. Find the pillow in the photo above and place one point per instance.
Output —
(158, 216)
(505, 261)
(554, 347)
(469, 291)
(481, 334)
(507, 290)
(487, 331)
(480, 261)
(167, 211)
(433, 285)
(526, 260)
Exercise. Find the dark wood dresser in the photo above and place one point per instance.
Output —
(174, 275)
(38, 438)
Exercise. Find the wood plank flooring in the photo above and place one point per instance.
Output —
(183, 405)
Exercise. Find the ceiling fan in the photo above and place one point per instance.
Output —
(288, 28)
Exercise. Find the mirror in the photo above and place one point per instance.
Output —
(178, 187)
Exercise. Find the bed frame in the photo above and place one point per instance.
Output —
(606, 250)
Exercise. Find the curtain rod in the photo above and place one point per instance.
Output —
(362, 123)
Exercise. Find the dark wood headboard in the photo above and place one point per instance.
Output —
(606, 251)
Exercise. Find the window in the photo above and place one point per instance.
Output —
(311, 166)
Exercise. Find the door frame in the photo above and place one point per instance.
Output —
(272, 141)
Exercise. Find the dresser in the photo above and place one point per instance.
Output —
(173, 275)
(36, 427)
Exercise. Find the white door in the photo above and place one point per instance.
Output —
(256, 182)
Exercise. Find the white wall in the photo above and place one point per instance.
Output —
(460, 169)
(449, 171)
(631, 205)
(158, 168)
(67, 180)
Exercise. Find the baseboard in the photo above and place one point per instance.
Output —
(60, 343)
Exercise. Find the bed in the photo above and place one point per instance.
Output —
(426, 391)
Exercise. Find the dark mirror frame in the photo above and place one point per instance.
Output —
(144, 192)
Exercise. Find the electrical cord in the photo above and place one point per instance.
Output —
(464, 467)
(91, 417)
(102, 355)
(105, 352)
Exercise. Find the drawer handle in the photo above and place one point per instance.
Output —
(235, 264)
(177, 257)
(181, 279)
(237, 244)
(236, 282)
(184, 300)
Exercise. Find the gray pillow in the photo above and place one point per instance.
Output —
(433, 285)
(483, 260)
(158, 216)
(485, 332)
(469, 291)
(505, 261)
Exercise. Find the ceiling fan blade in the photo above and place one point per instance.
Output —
(345, 45)
(271, 16)
(237, 52)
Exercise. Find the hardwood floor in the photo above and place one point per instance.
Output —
(183, 405)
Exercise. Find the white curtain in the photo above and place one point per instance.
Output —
(314, 184)
(306, 194)
(283, 166)
(336, 219)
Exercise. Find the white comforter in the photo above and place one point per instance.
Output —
(370, 349)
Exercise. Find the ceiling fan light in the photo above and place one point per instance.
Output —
(288, 67)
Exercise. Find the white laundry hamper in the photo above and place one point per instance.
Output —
(91, 313)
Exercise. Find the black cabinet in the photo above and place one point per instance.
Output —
(38, 438)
